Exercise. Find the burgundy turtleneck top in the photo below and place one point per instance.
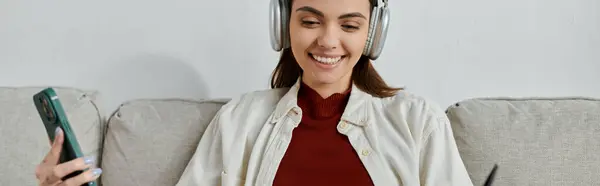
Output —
(318, 155)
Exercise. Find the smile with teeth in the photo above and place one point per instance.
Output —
(326, 60)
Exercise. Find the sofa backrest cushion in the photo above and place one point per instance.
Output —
(537, 141)
(150, 142)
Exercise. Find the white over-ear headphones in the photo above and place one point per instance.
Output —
(380, 17)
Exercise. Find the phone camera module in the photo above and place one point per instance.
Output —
(47, 110)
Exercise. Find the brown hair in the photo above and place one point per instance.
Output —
(364, 75)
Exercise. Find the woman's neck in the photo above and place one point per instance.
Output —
(327, 89)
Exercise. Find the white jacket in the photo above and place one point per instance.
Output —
(401, 140)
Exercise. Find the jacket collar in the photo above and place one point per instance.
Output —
(354, 113)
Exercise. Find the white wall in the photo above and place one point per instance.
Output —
(444, 50)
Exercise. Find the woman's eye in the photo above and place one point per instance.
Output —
(350, 27)
(310, 23)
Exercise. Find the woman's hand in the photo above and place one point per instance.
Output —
(49, 172)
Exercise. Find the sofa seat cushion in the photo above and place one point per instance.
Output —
(150, 142)
(23, 138)
(537, 141)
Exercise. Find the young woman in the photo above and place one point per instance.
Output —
(329, 118)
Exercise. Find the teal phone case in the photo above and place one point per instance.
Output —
(53, 115)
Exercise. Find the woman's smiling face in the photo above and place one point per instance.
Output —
(328, 38)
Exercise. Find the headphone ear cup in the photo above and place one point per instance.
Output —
(277, 20)
(372, 24)
(379, 33)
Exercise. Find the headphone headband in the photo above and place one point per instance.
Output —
(378, 26)
(383, 3)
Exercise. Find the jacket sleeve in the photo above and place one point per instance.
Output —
(206, 165)
(440, 161)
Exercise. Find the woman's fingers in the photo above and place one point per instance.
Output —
(54, 154)
(85, 177)
(50, 172)
(44, 171)
(69, 167)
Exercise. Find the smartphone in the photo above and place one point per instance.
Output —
(53, 115)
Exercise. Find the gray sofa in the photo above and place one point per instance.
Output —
(537, 141)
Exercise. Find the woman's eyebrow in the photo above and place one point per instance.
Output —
(319, 13)
(351, 15)
(311, 10)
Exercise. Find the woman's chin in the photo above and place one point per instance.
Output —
(323, 78)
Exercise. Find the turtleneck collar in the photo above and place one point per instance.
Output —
(317, 107)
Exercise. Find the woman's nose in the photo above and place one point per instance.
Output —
(329, 38)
